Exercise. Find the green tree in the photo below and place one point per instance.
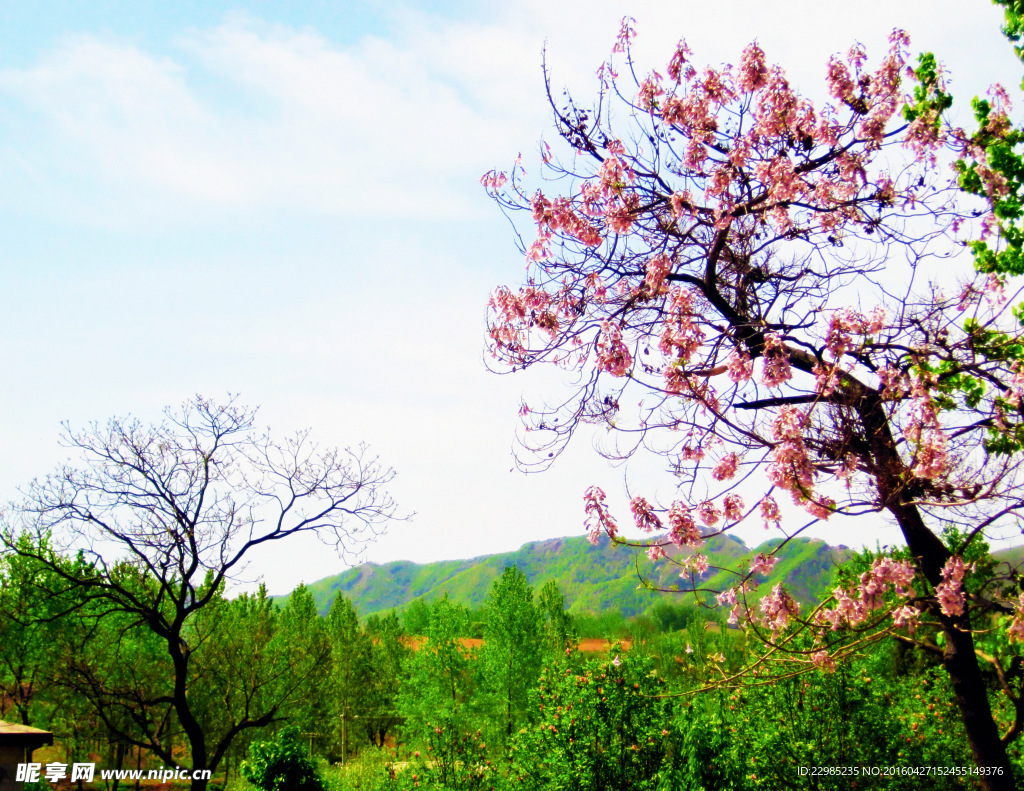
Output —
(437, 698)
(350, 657)
(307, 648)
(416, 617)
(33, 602)
(557, 625)
(511, 654)
(382, 682)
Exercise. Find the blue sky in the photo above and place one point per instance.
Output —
(282, 200)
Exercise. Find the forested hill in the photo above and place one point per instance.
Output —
(593, 578)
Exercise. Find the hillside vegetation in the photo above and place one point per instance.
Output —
(595, 578)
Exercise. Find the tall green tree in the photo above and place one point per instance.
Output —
(437, 698)
(306, 643)
(389, 654)
(557, 625)
(511, 654)
(350, 650)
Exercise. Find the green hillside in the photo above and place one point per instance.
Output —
(594, 578)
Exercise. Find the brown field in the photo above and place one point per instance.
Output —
(590, 645)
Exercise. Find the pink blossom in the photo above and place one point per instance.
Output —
(770, 511)
(776, 368)
(823, 661)
(656, 552)
(649, 91)
(763, 564)
(681, 337)
(740, 366)
(950, 592)
(654, 279)
(894, 383)
(613, 176)
(679, 67)
(679, 203)
(840, 83)
(691, 453)
(1016, 631)
(627, 32)
(994, 289)
(826, 378)
(931, 455)
(709, 513)
(612, 354)
(732, 507)
(777, 608)
(726, 468)
(644, 515)
(493, 180)
(820, 506)
(789, 424)
(598, 519)
(682, 530)
(906, 616)
(1013, 393)
(898, 573)
(753, 72)
(558, 216)
(676, 380)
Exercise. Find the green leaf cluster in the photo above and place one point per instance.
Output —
(282, 764)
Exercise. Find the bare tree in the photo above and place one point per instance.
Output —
(162, 516)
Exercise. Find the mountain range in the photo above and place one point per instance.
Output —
(593, 577)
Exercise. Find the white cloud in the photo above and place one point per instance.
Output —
(249, 117)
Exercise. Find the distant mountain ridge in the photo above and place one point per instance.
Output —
(593, 578)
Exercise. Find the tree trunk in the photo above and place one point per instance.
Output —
(959, 659)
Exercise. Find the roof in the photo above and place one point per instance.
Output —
(15, 735)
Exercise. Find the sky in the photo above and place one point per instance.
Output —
(282, 200)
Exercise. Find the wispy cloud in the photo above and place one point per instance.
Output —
(248, 117)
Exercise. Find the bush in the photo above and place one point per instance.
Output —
(283, 764)
(599, 725)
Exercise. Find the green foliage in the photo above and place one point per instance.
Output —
(511, 654)
(416, 618)
(283, 764)
(559, 632)
(33, 599)
(303, 642)
(599, 726)
(381, 678)
(880, 710)
(438, 700)
(930, 101)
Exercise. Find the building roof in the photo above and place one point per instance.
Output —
(14, 735)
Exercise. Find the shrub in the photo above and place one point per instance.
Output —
(283, 764)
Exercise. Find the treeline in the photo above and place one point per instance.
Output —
(404, 700)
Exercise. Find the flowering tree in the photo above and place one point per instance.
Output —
(772, 295)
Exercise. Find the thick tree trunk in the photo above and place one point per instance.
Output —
(191, 727)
